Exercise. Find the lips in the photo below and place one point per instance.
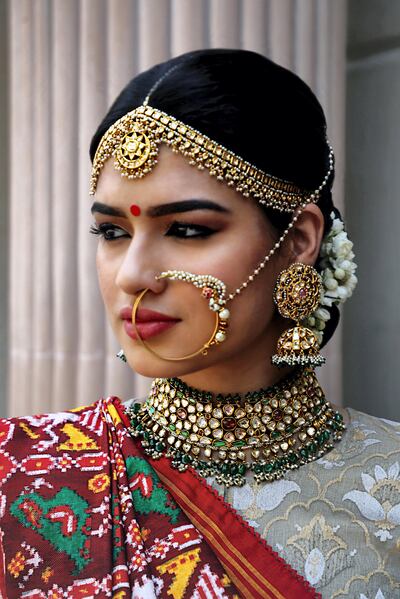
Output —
(149, 323)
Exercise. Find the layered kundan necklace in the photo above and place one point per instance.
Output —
(266, 432)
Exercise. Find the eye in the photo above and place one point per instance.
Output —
(108, 231)
(186, 231)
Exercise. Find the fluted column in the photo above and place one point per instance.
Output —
(21, 208)
(68, 60)
(224, 24)
(41, 310)
(255, 15)
(64, 282)
(188, 26)
(4, 208)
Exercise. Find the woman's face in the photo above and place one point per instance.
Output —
(188, 221)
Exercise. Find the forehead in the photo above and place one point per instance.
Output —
(171, 178)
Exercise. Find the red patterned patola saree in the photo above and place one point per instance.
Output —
(84, 513)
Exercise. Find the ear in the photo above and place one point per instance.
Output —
(306, 235)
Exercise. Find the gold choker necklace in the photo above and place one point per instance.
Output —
(267, 432)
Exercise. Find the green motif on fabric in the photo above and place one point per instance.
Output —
(60, 520)
(117, 534)
(147, 493)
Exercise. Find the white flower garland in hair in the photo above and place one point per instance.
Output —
(337, 270)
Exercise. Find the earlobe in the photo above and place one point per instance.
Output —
(306, 235)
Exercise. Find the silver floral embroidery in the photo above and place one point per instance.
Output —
(318, 551)
(380, 501)
(271, 496)
(359, 438)
(379, 595)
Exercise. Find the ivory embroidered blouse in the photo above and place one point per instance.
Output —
(336, 520)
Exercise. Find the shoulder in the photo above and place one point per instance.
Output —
(46, 419)
(69, 415)
(39, 449)
(47, 433)
(367, 438)
(386, 430)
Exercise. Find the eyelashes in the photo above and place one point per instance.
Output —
(94, 230)
(179, 230)
(188, 231)
(108, 231)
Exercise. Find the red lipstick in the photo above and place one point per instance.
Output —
(149, 323)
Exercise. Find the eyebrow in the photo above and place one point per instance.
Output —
(163, 209)
(106, 209)
(185, 206)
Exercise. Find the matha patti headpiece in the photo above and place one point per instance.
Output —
(134, 140)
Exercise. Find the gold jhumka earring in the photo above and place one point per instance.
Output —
(297, 295)
(133, 142)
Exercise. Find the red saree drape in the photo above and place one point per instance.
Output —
(84, 513)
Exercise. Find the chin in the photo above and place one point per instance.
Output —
(144, 363)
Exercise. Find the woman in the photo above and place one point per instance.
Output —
(236, 477)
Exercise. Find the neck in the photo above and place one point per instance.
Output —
(248, 371)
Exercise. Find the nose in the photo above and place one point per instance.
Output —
(138, 269)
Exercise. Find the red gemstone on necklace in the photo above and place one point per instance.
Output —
(228, 424)
(277, 414)
(302, 292)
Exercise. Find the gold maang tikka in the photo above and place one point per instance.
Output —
(133, 142)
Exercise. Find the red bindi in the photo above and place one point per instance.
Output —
(135, 210)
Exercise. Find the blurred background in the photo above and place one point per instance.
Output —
(62, 64)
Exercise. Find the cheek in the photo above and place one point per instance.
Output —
(235, 264)
(105, 277)
(253, 310)
(238, 255)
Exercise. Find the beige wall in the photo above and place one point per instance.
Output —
(372, 318)
(68, 59)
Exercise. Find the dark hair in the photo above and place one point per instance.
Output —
(246, 102)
